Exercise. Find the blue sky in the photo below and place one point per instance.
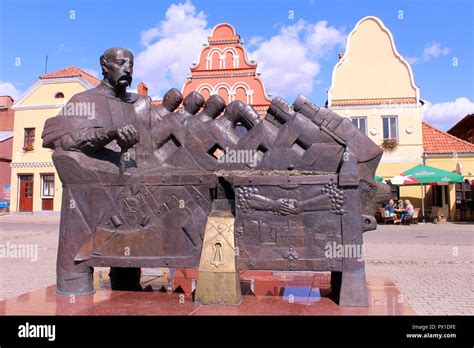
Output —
(166, 37)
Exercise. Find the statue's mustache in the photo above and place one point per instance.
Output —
(126, 78)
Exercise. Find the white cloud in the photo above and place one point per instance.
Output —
(445, 115)
(148, 35)
(412, 60)
(431, 50)
(8, 88)
(171, 47)
(434, 50)
(255, 41)
(290, 61)
(322, 39)
(180, 18)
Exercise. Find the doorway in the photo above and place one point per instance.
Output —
(26, 193)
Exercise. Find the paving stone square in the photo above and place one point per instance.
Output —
(431, 264)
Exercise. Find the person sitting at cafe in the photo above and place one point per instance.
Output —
(408, 211)
(400, 204)
(390, 211)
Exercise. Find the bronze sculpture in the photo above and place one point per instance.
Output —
(140, 182)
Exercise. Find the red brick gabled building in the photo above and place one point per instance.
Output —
(223, 69)
(6, 113)
(6, 143)
(6, 146)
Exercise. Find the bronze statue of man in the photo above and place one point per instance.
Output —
(139, 184)
(113, 139)
(119, 129)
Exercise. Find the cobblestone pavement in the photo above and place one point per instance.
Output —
(23, 274)
(432, 264)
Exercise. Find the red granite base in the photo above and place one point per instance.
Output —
(264, 293)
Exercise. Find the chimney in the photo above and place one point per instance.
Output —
(341, 55)
(142, 88)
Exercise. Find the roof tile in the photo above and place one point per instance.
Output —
(377, 101)
(71, 71)
(437, 141)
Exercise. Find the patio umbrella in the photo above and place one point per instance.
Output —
(378, 178)
(425, 175)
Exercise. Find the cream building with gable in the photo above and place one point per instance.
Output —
(374, 86)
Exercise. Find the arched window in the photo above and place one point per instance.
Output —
(224, 93)
(205, 93)
(229, 60)
(215, 64)
(240, 94)
(59, 95)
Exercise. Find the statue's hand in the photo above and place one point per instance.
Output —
(289, 206)
(293, 206)
(127, 136)
(278, 206)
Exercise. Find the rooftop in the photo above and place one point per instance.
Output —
(4, 135)
(437, 141)
(71, 71)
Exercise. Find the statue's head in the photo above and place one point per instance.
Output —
(233, 112)
(172, 99)
(193, 102)
(214, 106)
(117, 67)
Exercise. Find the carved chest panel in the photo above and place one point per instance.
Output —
(285, 222)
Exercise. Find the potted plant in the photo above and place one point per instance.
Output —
(390, 143)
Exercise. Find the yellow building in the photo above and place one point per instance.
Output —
(35, 185)
(373, 85)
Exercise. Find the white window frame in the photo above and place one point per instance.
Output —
(389, 130)
(358, 118)
(42, 185)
